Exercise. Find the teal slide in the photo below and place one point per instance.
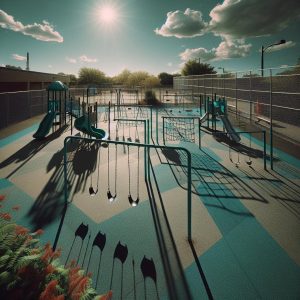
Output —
(45, 125)
(230, 130)
(83, 124)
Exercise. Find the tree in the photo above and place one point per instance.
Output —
(91, 76)
(192, 67)
(122, 77)
(150, 82)
(133, 79)
(13, 67)
(136, 78)
(165, 78)
(73, 79)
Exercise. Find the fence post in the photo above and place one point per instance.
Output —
(236, 93)
(250, 96)
(271, 122)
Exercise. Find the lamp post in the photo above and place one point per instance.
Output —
(263, 49)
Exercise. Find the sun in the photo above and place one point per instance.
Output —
(108, 14)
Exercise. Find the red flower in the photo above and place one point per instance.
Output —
(39, 232)
(47, 252)
(16, 207)
(108, 296)
(49, 291)
(49, 269)
(2, 197)
(20, 230)
(5, 216)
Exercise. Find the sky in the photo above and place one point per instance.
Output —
(148, 35)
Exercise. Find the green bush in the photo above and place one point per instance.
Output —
(150, 98)
(31, 271)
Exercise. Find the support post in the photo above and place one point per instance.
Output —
(265, 150)
(271, 122)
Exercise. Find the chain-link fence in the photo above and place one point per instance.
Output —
(271, 101)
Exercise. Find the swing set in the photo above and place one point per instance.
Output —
(248, 149)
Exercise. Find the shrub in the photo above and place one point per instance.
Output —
(150, 98)
(31, 271)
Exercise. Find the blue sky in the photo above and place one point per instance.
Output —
(150, 35)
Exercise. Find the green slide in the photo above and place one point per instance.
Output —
(233, 135)
(45, 125)
(83, 124)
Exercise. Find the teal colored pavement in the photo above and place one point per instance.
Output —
(247, 263)
(12, 138)
(244, 262)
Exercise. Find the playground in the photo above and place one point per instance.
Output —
(173, 201)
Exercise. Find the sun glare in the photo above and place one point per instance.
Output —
(108, 14)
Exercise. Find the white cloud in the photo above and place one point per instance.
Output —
(196, 53)
(252, 18)
(227, 49)
(232, 49)
(2, 65)
(170, 64)
(183, 24)
(71, 60)
(50, 66)
(42, 32)
(18, 57)
(84, 58)
(286, 45)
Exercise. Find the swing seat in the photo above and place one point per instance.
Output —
(133, 202)
(92, 191)
(110, 197)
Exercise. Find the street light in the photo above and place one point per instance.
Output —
(263, 49)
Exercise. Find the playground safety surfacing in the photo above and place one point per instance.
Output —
(245, 219)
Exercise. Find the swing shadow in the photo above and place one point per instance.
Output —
(287, 196)
(202, 166)
(81, 232)
(99, 242)
(238, 147)
(148, 270)
(120, 253)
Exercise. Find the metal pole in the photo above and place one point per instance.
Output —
(156, 125)
(151, 128)
(189, 187)
(250, 96)
(271, 122)
(236, 94)
(262, 61)
(265, 150)
(163, 129)
(109, 119)
(145, 150)
(199, 132)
